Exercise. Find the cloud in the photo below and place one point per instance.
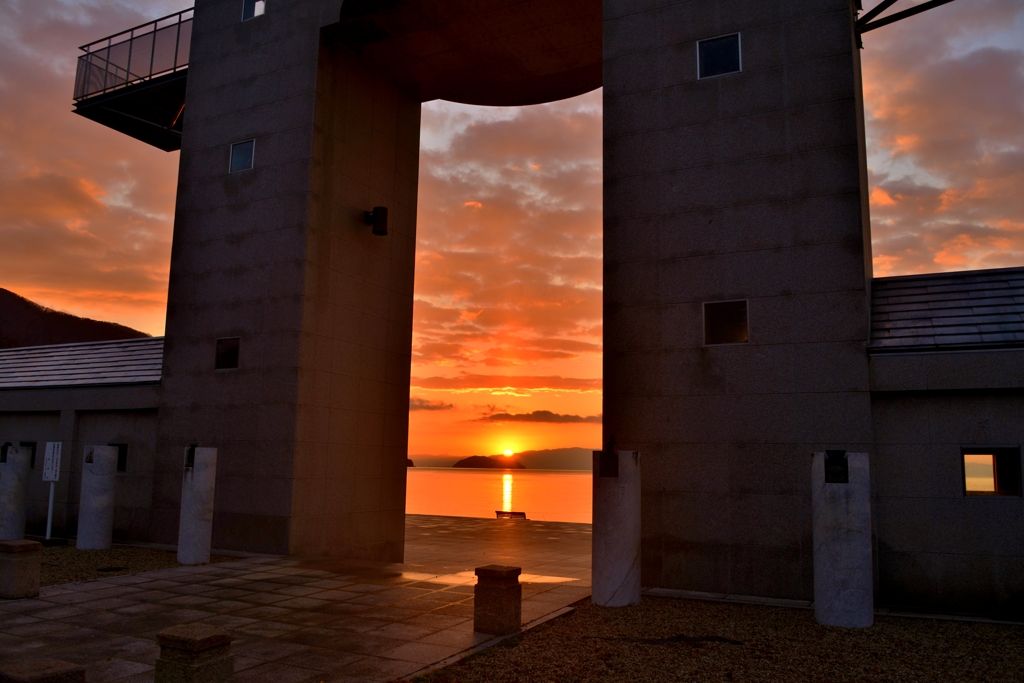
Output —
(85, 212)
(944, 96)
(416, 403)
(539, 416)
(468, 382)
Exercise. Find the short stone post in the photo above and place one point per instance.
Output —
(14, 462)
(497, 600)
(96, 507)
(843, 568)
(19, 569)
(194, 653)
(616, 529)
(42, 671)
(195, 523)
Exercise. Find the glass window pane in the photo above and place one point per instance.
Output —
(725, 322)
(241, 155)
(718, 56)
(979, 473)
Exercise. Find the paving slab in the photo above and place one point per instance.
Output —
(307, 620)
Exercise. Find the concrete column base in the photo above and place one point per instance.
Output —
(194, 653)
(19, 569)
(42, 671)
(497, 600)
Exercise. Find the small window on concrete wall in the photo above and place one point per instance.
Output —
(241, 156)
(252, 8)
(122, 456)
(992, 471)
(719, 56)
(227, 354)
(30, 447)
(725, 322)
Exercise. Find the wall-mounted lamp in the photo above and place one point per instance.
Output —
(378, 218)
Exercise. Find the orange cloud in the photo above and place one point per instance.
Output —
(944, 97)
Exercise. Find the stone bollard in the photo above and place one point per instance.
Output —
(841, 522)
(195, 523)
(14, 462)
(616, 529)
(96, 508)
(194, 653)
(42, 671)
(497, 600)
(19, 569)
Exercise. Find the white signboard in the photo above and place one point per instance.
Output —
(51, 462)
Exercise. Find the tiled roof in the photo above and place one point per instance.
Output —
(124, 361)
(980, 309)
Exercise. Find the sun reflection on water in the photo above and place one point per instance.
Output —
(506, 492)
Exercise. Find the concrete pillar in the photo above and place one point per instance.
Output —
(96, 508)
(19, 569)
(616, 529)
(841, 509)
(194, 653)
(13, 489)
(497, 600)
(195, 526)
(42, 671)
(314, 421)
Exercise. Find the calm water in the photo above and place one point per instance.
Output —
(544, 495)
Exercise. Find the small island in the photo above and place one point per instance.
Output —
(497, 462)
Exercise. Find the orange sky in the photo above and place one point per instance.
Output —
(508, 286)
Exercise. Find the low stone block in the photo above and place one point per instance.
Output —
(42, 671)
(497, 600)
(19, 569)
(194, 653)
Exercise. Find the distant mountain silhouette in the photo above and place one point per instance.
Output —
(497, 462)
(547, 459)
(26, 323)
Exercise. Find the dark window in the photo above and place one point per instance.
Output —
(718, 56)
(252, 8)
(241, 156)
(122, 456)
(227, 354)
(991, 471)
(3, 451)
(30, 446)
(725, 322)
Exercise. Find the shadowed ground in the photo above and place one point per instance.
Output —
(298, 619)
(666, 639)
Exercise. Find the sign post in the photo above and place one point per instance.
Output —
(51, 473)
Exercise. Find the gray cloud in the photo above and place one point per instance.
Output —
(539, 416)
(426, 404)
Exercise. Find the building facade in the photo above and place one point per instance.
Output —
(743, 329)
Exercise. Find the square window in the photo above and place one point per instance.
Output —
(719, 56)
(241, 155)
(725, 322)
(122, 456)
(253, 8)
(30, 446)
(227, 354)
(992, 471)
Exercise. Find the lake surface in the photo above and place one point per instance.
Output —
(544, 495)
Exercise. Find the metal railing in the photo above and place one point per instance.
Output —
(138, 54)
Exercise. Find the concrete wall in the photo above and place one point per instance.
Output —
(80, 416)
(936, 548)
(744, 186)
(275, 256)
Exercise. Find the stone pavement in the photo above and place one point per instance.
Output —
(299, 620)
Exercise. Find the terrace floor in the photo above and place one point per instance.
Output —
(297, 619)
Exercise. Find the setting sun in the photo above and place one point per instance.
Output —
(508, 454)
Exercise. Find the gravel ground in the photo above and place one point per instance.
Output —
(684, 640)
(66, 564)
